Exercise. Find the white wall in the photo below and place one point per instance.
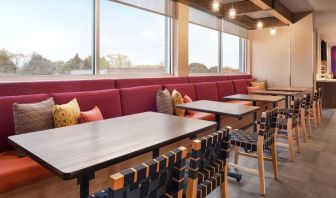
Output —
(269, 56)
(289, 53)
(302, 60)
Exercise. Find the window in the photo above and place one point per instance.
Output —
(203, 49)
(46, 37)
(133, 40)
(234, 54)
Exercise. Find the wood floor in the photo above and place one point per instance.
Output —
(312, 174)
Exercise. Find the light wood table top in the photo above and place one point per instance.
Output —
(72, 151)
(228, 109)
(255, 98)
(294, 89)
(276, 93)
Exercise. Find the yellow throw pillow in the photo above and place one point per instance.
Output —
(260, 85)
(66, 114)
(177, 99)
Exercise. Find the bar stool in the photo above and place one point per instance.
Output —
(288, 120)
(160, 177)
(304, 116)
(209, 165)
(258, 142)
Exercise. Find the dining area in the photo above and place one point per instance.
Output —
(167, 99)
(80, 152)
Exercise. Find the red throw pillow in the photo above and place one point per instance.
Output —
(187, 99)
(90, 116)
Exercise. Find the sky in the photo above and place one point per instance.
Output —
(58, 29)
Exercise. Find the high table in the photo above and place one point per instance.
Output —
(288, 94)
(78, 151)
(256, 98)
(294, 89)
(219, 109)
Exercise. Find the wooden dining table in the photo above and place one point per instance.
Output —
(292, 89)
(81, 150)
(290, 95)
(220, 109)
(254, 99)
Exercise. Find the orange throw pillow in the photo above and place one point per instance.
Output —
(252, 89)
(90, 116)
(187, 99)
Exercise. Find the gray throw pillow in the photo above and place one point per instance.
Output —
(164, 102)
(33, 117)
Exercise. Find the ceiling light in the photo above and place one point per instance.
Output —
(232, 12)
(215, 6)
(260, 25)
(273, 31)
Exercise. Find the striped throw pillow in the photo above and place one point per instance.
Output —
(33, 117)
(91, 116)
(164, 102)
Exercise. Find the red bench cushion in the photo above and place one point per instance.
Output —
(17, 172)
(202, 116)
(238, 77)
(240, 86)
(6, 115)
(108, 101)
(200, 79)
(138, 99)
(225, 88)
(206, 91)
(184, 89)
(136, 82)
(25, 88)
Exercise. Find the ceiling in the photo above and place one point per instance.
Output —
(276, 13)
(248, 12)
(325, 15)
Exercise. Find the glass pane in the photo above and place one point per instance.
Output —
(203, 49)
(46, 37)
(133, 41)
(233, 53)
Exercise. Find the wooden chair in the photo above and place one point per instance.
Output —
(208, 165)
(257, 143)
(314, 109)
(160, 177)
(304, 116)
(319, 104)
(288, 120)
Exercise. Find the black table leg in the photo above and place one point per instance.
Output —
(84, 184)
(230, 174)
(218, 121)
(254, 118)
(274, 104)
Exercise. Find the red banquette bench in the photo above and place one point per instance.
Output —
(114, 97)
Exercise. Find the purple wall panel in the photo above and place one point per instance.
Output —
(333, 60)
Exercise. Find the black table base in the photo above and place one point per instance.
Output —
(84, 184)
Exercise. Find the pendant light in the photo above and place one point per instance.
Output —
(273, 31)
(232, 12)
(215, 5)
(260, 25)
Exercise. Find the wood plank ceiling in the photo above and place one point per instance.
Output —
(271, 12)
